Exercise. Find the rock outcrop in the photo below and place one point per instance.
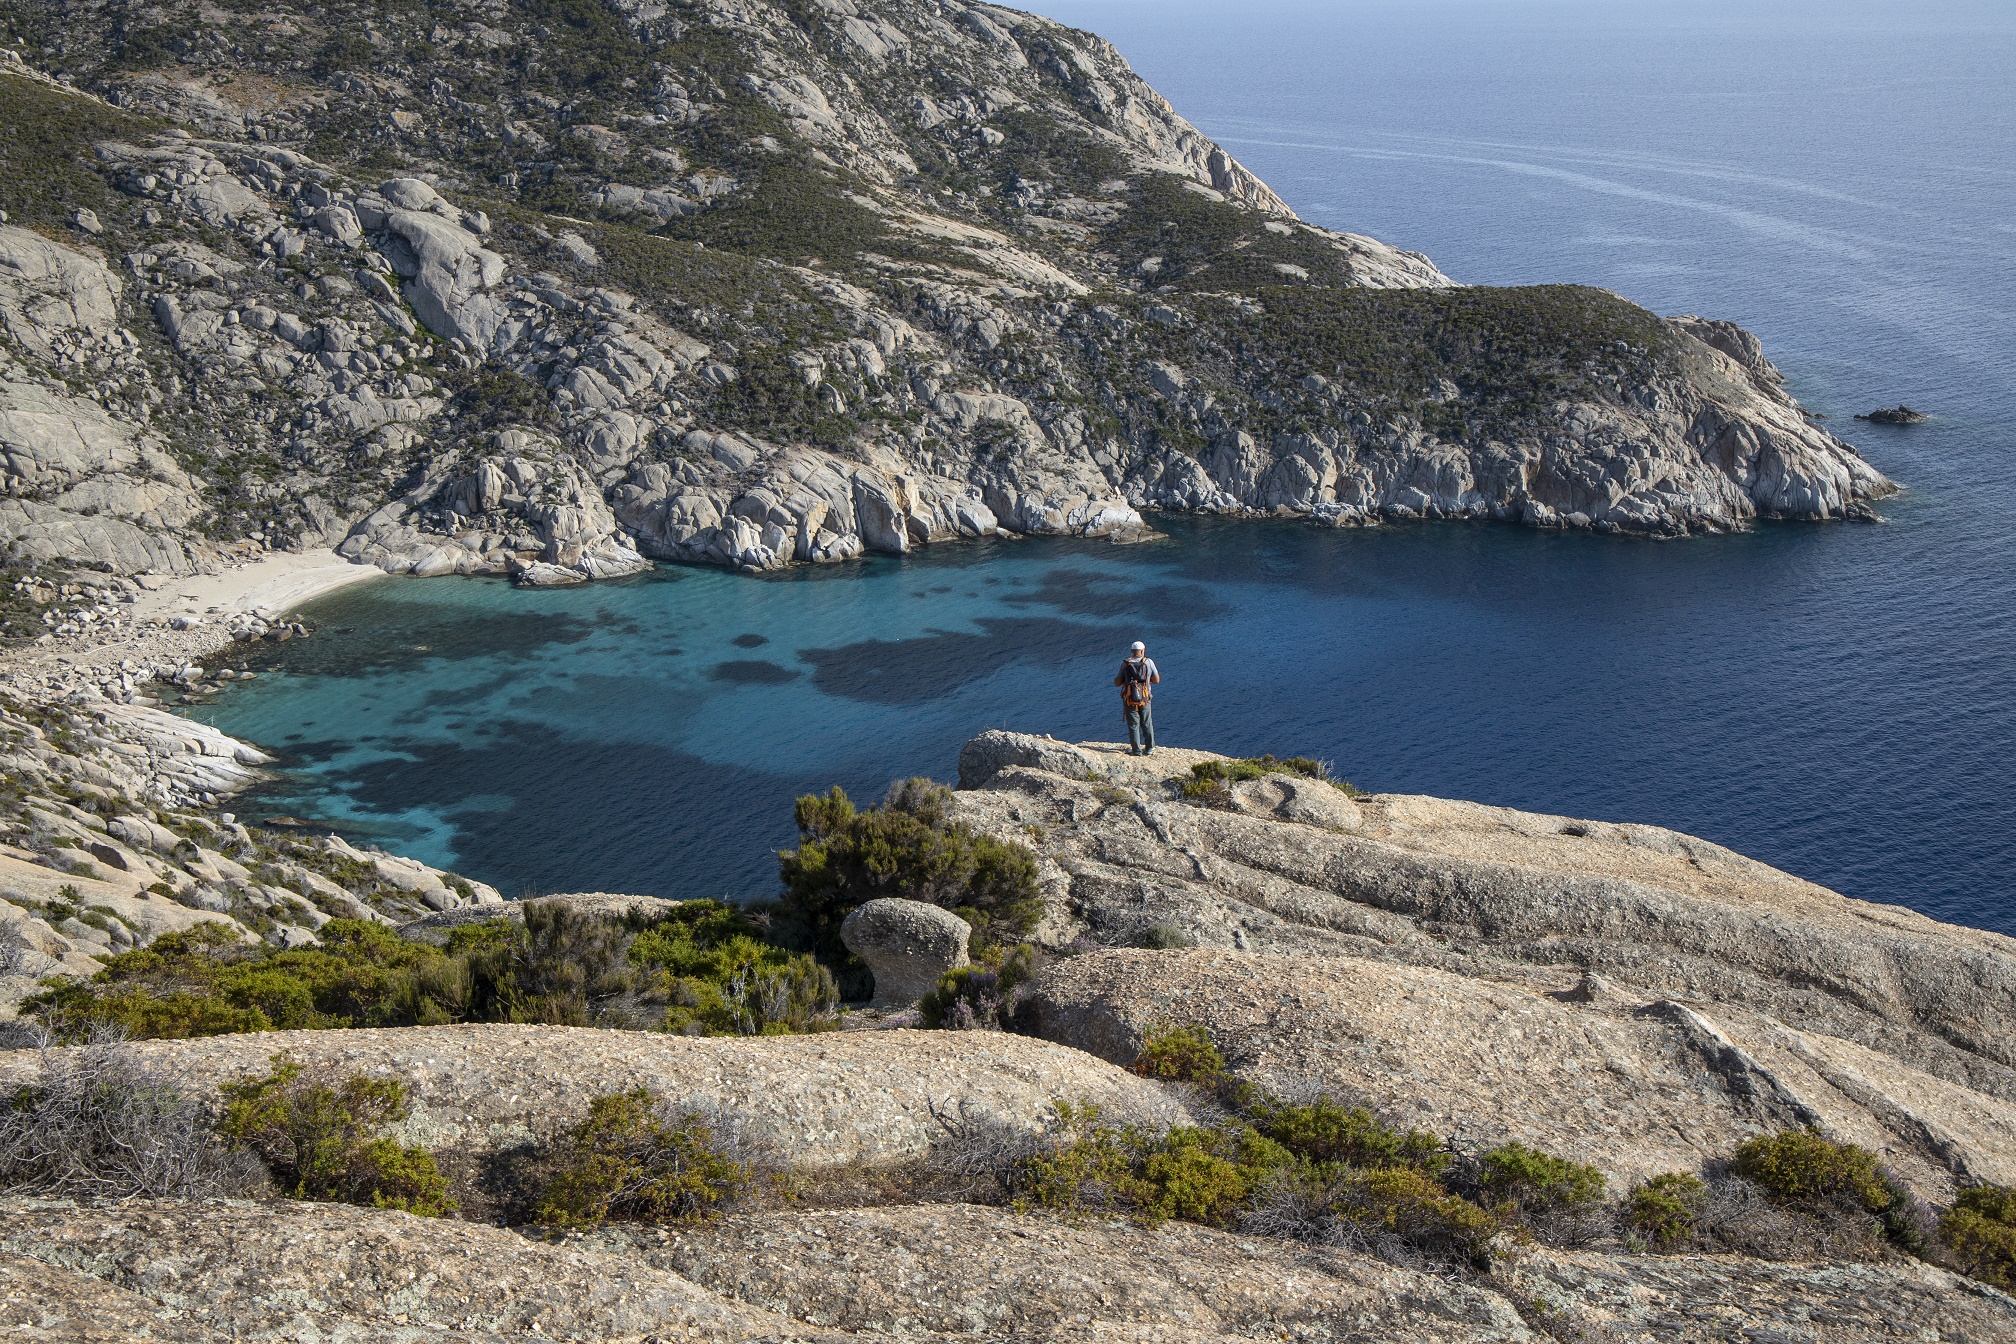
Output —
(1626, 996)
(961, 1270)
(908, 945)
(1499, 972)
(819, 1101)
(309, 1272)
(572, 365)
(149, 855)
(1899, 414)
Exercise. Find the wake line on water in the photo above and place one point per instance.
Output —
(1879, 294)
(1639, 159)
(1849, 247)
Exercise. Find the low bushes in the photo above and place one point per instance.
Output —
(1317, 1169)
(1197, 1174)
(1276, 1177)
(1210, 780)
(636, 1159)
(204, 982)
(1980, 1234)
(910, 848)
(1663, 1210)
(984, 996)
(1805, 1166)
(1532, 1181)
(716, 978)
(699, 967)
(1180, 1054)
(97, 1125)
(1327, 1132)
(318, 1136)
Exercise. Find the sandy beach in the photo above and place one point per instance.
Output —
(272, 585)
(144, 639)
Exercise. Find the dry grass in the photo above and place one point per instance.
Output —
(96, 1124)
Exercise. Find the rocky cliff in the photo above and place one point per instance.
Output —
(556, 289)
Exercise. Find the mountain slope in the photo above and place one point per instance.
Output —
(551, 287)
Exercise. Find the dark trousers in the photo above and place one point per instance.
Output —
(1140, 726)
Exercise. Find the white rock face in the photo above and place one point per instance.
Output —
(47, 290)
(448, 272)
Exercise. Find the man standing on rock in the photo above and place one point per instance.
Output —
(1137, 681)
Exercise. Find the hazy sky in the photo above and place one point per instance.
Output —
(1830, 15)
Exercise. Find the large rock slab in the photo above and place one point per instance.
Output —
(823, 1100)
(310, 1273)
(975, 1272)
(1489, 890)
(966, 1270)
(1635, 1086)
(47, 290)
(49, 1304)
(1697, 1299)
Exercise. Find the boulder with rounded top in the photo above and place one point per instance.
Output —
(907, 944)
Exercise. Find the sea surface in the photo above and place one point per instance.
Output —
(1832, 699)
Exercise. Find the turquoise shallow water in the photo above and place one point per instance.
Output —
(1835, 700)
(650, 735)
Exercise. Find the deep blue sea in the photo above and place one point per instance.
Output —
(1835, 700)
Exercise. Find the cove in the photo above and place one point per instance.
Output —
(1772, 692)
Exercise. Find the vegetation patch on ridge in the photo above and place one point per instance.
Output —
(700, 968)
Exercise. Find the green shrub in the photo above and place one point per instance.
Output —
(981, 997)
(1319, 1170)
(699, 967)
(1663, 1209)
(1327, 1133)
(907, 848)
(316, 1136)
(205, 982)
(1806, 1167)
(1196, 1174)
(1532, 1181)
(1408, 1204)
(1166, 937)
(635, 1160)
(1209, 779)
(562, 967)
(703, 959)
(1182, 1054)
(1980, 1233)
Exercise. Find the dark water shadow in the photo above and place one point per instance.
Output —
(1078, 592)
(752, 672)
(548, 813)
(917, 671)
(434, 632)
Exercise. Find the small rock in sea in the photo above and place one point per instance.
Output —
(1895, 415)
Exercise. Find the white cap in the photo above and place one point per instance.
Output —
(1139, 645)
